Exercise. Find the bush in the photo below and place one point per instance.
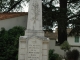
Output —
(9, 43)
(54, 56)
(73, 55)
(65, 46)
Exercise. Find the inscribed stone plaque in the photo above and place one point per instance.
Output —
(34, 49)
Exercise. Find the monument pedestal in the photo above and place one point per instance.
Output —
(33, 48)
(34, 32)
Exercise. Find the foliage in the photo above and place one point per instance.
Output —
(9, 43)
(65, 46)
(64, 14)
(54, 56)
(73, 55)
(11, 5)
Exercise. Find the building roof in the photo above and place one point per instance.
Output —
(75, 31)
(51, 35)
(11, 15)
(55, 35)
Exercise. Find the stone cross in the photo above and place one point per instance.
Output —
(35, 15)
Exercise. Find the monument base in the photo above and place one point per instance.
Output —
(33, 48)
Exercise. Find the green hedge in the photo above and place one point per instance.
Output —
(9, 43)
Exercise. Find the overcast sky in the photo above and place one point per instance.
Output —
(25, 5)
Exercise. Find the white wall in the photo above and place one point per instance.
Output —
(72, 42)
(17, 21)
(57, 48)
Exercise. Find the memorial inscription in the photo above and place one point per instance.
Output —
(34, 50)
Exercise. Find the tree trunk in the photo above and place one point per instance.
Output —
(62, 22)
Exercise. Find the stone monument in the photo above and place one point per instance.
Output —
(34, 46)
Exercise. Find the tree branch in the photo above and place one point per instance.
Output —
(73, 1)
(13, 6)
(73, 16)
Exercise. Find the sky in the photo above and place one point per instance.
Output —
(25, 6)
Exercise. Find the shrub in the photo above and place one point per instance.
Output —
(65, 46)
(54, 56)
(73, 55)
(9, 43)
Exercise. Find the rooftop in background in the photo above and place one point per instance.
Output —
(11, 15)
(55, 35)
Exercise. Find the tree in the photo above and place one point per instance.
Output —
(62, 22)
(10, 5)
(62, 15)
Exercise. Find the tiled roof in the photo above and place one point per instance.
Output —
(55, 35)
(11, 15)
(51, 35)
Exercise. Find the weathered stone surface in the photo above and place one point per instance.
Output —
(34, 49)
(35, 15)
(34, 32)
(22, 48)
(34, 46)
